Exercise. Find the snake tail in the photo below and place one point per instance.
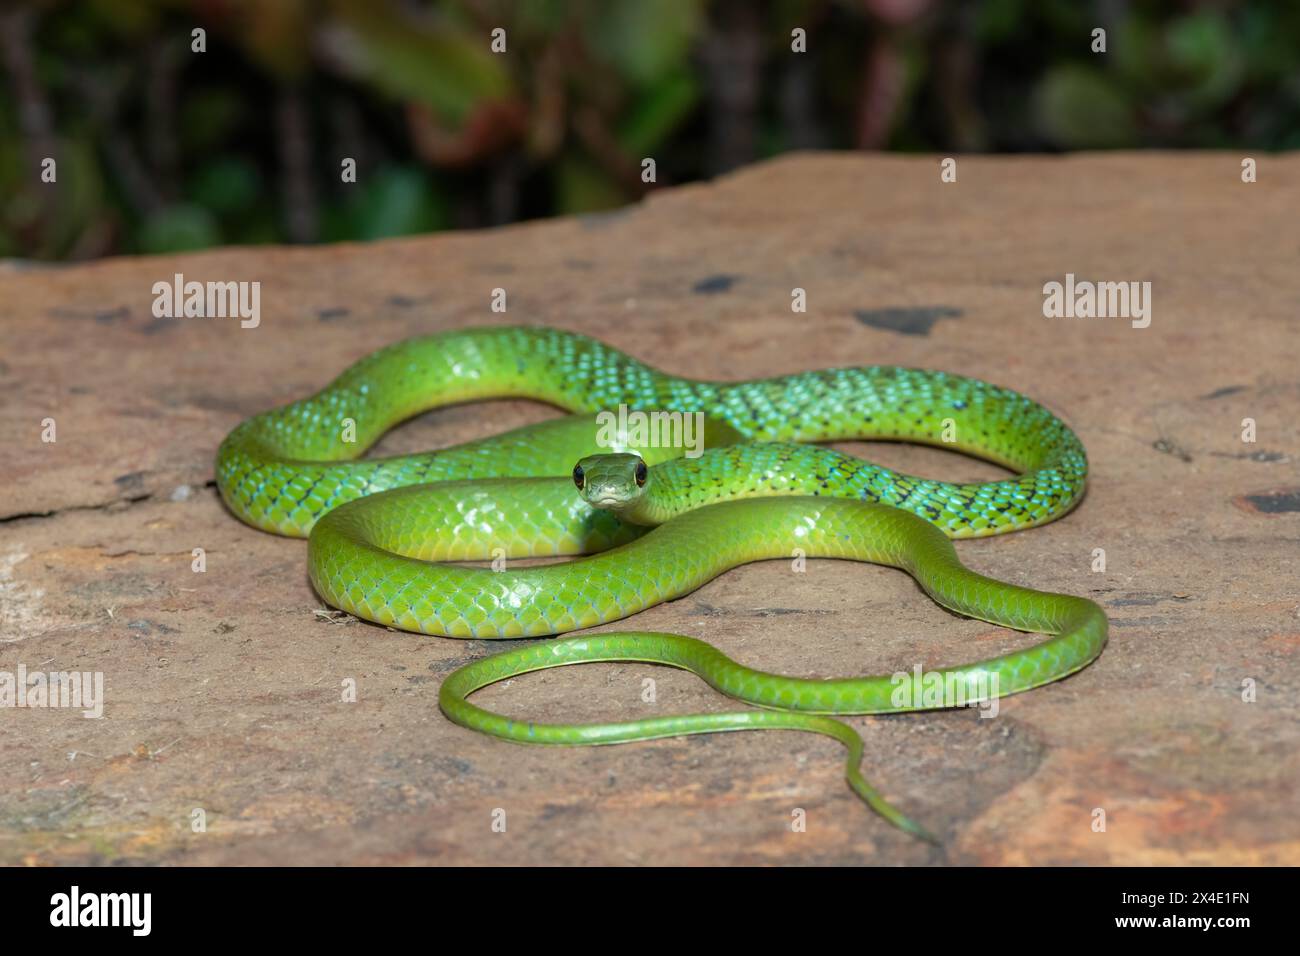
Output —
(673, 650)
(1076, 629)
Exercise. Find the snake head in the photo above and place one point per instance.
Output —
(613, 482)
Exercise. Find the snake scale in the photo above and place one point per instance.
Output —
(652, 525)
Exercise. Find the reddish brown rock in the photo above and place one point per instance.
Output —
(223, 688)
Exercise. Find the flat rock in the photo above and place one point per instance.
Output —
(224, 688)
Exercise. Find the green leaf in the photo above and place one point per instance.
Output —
(645, 40)
(1204, 51)
(393, 201)
(656, 114)
(227, 185)
(431, 63)
(1080, 108)
(584, 187)
(179, 228)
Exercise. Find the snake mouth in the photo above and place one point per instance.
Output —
(604, 502)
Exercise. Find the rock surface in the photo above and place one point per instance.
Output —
(223, 688)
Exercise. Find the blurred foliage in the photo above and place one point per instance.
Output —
(160, 148)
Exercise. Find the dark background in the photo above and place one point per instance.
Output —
(161, 149)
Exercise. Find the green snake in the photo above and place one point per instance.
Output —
(654, 523)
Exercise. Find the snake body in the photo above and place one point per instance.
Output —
(382, 530)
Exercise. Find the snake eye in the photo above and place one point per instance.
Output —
(641, 474)
(578, 477)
